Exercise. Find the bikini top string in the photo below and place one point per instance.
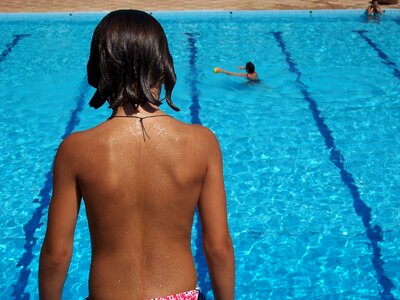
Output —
(144, 133)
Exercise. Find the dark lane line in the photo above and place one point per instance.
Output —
(199, 257)
(10, 46)
(385, 58)
(44, 199)
(374, 233)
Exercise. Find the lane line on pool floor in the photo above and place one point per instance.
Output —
(385, 58)
(374, 234)
(199, 257)
(10, 46)
(44, 199)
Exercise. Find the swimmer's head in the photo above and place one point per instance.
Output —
(129, 60)
(250, 67)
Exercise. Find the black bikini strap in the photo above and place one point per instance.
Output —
(144, 133)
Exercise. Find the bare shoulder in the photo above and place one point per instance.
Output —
(202, 131)
(84, 138)
(205, 138)
(71, 142)
(74, 144)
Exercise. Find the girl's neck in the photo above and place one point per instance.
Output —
(141, 111)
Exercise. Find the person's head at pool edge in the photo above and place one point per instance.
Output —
(374, 9)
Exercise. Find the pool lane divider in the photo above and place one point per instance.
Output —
(385, 58)
(10, 46)
(194, 91)
(202, 271)
(374, 233)
(43, 199)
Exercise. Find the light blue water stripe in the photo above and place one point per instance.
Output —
(199, 257)
(374, 233)
(385, 58)
(44, 198)
(10, 46)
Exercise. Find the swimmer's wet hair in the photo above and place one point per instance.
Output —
(129, 56)
(250, 67)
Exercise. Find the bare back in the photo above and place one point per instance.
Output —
(140, 197)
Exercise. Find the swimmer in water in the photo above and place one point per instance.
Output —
(374, 9)
(250, 74)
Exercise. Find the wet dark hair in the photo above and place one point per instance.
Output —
(129, 56)
(250, 67)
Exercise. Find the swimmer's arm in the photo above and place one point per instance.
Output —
(241, 67)
(232, 73)
(217, 242)
(56, 251)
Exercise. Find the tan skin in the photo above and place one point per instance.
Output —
(140, 197)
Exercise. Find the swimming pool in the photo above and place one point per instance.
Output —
(311, 154)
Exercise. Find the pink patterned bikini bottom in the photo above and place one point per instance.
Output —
(188, 295)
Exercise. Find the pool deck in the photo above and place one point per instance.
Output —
(13, 6)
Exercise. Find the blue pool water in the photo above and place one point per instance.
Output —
(311, 154)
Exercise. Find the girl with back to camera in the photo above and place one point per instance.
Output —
(141, 174)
